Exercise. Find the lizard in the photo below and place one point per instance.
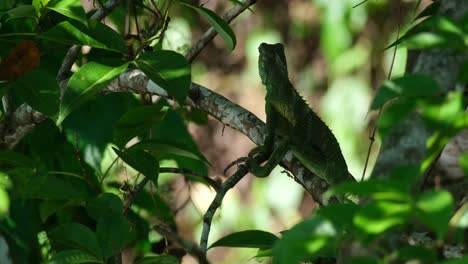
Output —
(292, 125)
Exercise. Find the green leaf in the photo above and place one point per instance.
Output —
(96, 35)
(435, 209)
(341, 215)
(40, 90)
(464, 162)
(85, 83)
(247, 239)
(310, 238)
(77, 236)
(49, 207)
(169, 150)
(137, 122)
(162, 259)
(15, 159)
(141, 161)
(155, 205)
(21, 11)
(73, 257)
(394, 113)
(379, 216)
(433, 32)
(168, 69)
(173, 131)
(105, 202)
(221, 26)
(113, 233)
(460, 218)
(443, 114)
(463, 260)
(69, 8)
(410, 86)
(412, 253)
(69, 188)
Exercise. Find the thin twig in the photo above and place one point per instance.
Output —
(191, 248)
(211, 32)
(208, 217)
(389, 75)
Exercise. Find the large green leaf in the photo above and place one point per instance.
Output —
(39, 89)
(435, 209)
(379, 216)
(77, 236)
(411, 86)
(173, 131)
(141, 161)
(247, 239)
(113, 233)
(96, 35)
(69, 8)
(137, 122)
(443, 114)
(85, 83)
(73, 257)
(464, 163)
(16, 159)
(21, 11)
(69, 188)
(105, 202)
(310, 238)
(433, 32)
(168, 69)
(221, 26)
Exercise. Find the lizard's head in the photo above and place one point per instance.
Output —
(272, 63)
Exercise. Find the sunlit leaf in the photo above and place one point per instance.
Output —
(247, 239)
(435, 209)
(85, 83)
(69, 8)
(310, 238)
(380, 216)
(410, 86)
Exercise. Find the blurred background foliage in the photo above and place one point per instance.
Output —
(336, 58)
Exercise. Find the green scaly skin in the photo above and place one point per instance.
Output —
(292, 124)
